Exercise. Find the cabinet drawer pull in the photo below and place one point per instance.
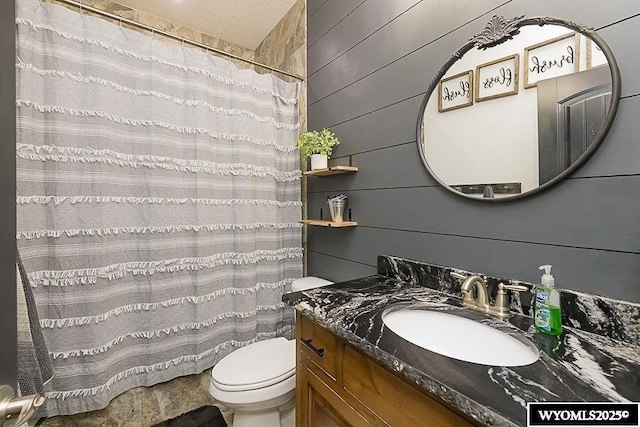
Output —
(318, 351)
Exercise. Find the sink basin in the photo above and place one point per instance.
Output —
(460, 338)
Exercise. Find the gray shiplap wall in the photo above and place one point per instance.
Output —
(369, 64)
(8, 331)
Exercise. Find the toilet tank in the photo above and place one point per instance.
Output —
(308, 283)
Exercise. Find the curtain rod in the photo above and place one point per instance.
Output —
(176, 37)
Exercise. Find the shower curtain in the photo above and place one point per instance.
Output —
(158, 203)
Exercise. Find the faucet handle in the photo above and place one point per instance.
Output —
(519, 288)
(501, 306)
(457, 275)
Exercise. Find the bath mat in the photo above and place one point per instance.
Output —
(208, 416)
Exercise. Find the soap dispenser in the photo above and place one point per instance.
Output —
(547, 315)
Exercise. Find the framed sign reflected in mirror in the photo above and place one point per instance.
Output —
(455, 91)
(497, 78)
(522, 141)
(551, 58)
(595, 55)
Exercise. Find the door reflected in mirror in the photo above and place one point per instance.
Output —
(542, 100)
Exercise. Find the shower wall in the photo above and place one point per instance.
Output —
(284, 48)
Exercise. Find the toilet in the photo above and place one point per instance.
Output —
(258, 381)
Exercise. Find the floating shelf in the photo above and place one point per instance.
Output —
(334, 170)
(322, 223)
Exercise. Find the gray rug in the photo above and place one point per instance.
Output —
(208, 416)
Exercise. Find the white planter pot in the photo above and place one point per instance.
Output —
(318, 161)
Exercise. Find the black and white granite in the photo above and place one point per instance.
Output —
(590, 313)
(597, 362)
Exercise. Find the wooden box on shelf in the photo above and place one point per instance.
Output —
(333, 170)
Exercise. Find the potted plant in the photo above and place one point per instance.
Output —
(318, 145)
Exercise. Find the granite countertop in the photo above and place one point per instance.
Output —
(577, 366)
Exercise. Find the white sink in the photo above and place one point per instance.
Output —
(459, 338)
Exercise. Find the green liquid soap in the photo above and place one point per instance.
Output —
(547, 316)
(549, 320)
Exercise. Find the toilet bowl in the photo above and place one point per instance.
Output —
(258, 381)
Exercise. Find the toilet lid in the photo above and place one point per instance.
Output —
(257, 365)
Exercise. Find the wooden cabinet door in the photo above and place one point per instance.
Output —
(318, 405)
(321, 414)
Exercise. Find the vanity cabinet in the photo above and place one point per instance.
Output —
(337, 385)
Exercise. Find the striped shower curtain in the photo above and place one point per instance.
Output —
(158, 198)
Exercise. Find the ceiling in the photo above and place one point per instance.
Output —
(242, 22)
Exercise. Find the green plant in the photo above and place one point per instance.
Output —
(317, 142)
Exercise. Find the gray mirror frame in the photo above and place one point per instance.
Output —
(498, 31)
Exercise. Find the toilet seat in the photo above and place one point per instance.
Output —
(256, 366)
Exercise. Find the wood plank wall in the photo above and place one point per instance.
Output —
(369, 65)
(8, 321)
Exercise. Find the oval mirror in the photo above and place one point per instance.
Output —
(519, 107)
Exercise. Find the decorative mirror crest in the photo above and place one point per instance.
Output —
(496, 32)
(518, 108)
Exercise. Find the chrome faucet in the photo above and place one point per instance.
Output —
(480, 300)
